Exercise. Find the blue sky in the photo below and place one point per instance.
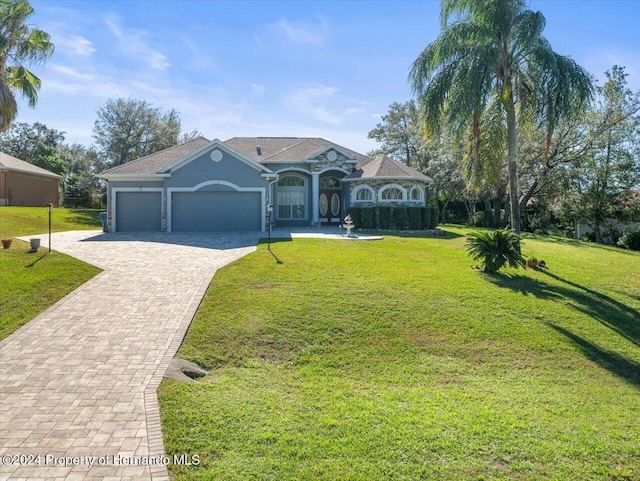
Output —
(258, 68)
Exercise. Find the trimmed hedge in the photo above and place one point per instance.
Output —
(356, 216)
(367, 217)
(399, 215)
(414, 217)
(435, 216)
(384, 217)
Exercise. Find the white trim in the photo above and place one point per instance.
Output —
(134, 177)
(390, 177)
(350, 158)
(237, 188)
(391, 186)
(114, 197)
(357, 189)
(304, 188)
(420, 190)
(215, 143)
(327, 169)
(296, 169)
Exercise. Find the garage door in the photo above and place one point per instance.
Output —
(138, 211)
(216, 211)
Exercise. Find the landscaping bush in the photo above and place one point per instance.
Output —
(384, 217)
(630, 239)
(494, 249)
(588, 236)
(399, 215)
(356, 216)
(425, 217)
(414, 218)
(435, 216)
(479, 219)
(367, 217)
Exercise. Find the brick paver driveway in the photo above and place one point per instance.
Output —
(78, 383)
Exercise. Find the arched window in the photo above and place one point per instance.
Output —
(291, 181)
(329, 183)
(392, 193)
(416, 193)
(363, 193)
(291, 196)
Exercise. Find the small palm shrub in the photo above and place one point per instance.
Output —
(494, 249)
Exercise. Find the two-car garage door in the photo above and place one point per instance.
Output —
(200, 211)
(206, 211)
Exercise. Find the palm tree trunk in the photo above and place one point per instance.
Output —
(512, 156)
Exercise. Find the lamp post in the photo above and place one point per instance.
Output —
(269, 211)
(49, 207)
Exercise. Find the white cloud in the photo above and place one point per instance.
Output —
(257, 89)
(133, 43)
(69, 72)
(74, 44)
(320, 102)
(302, 33)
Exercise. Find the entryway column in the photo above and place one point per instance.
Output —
(315, 194)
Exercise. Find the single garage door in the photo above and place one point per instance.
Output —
(216, 211)
(138, 211)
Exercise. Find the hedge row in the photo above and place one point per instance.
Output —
(386, 217)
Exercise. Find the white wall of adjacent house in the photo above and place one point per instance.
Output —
(582, 229)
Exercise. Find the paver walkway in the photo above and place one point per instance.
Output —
(78, 383)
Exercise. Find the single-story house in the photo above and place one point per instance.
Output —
(22, 183)
(204, 185)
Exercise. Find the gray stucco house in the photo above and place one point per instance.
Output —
(205, 185)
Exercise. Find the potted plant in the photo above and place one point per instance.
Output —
(6, 243)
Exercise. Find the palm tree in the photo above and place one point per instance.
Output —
(493, 51)
(19, 43)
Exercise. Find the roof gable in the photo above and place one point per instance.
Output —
(384, 167)
(152, 164)
(214, 144)
(11, 163)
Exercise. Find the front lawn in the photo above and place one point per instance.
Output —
(20, 221)
(396, 359)
(30, 283)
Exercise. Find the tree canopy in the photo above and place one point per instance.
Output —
(20, 45)
(491, 61)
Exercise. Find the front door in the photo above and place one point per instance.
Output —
(329, 205)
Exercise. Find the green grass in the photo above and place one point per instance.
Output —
(397, 359)
(31, 282)
(21, 221)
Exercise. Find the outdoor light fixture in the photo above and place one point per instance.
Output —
(49, 208)
(269, 211)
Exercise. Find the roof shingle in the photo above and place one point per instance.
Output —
(8, 162)
(384, 166)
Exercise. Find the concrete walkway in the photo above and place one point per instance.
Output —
(78, 383)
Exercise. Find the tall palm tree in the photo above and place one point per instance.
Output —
(19, 44)
(488, 51)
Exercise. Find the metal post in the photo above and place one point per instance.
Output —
(269, 210)
(49, 207)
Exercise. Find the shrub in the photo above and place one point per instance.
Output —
(588, 236)
(435, 216)
(399, 214)
(425, 217)
(367, 216)
(356, 216)
(494, 249)
(630, 239)
(384, 217)
(414, 217)
(479, 219)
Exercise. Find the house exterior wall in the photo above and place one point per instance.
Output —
(18, 188)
